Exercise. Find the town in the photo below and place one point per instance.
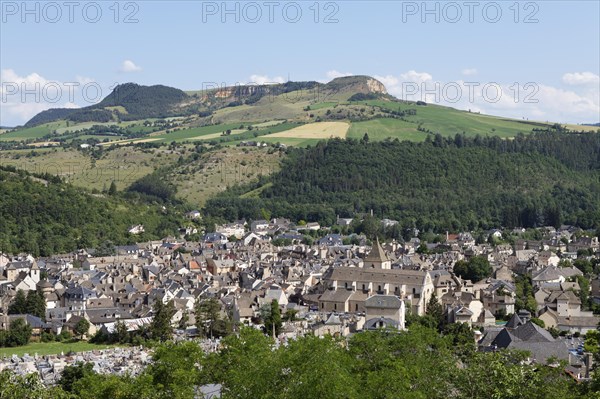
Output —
(534, 292)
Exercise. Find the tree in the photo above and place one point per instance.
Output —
(19, 333)
(81, 328)
(30, 386)
(161, 328)
(476, 269)
(36, 304)
(112, 190)
(120, 333)
(207, 315)
(584, 265)
(290, 315)
(19, 304)
(72, 374)
(183, 321)
(435, 310)
(272, 319)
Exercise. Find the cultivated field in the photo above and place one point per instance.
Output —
(318, 130)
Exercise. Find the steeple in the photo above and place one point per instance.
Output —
(377, 258)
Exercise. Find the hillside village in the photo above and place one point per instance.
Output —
(330, 287)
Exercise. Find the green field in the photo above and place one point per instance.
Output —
(290, 141)
(449, 121)
(382, 128)
(326, 104)
(32, 132)
(188, 134)
(52, 348)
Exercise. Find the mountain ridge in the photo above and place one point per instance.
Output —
(129, 101)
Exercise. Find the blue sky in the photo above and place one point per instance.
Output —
(536, 60)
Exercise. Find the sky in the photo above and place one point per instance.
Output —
(536, 60)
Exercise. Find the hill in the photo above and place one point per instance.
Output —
(133, 113)
(41, 215)
(442, 184)
(127, 101)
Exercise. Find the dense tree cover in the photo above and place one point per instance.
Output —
(44, 217)
(418, 363)
(34, 304)
(475, 269)
(524, 294)
(154, 186)
(442, 184)
(18, 334)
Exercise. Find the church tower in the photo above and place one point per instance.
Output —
(377, 258)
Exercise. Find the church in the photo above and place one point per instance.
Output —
(350, 287)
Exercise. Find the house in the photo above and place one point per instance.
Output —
(343, 221)
(193, 215)
(331, 240)
(259, 226)
(384, 311)
(334, 325)
(136, 229)
(212, 240)
(522, 334)
(236, 230)
(312, 226)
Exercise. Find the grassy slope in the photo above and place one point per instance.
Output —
(33, 132)
(123, 165)
(449, 121)
(382, 128)
(220, 169)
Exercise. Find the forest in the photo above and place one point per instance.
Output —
(42, 216)
(445, 183)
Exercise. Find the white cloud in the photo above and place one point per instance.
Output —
(265, 80)
(469, 71)
(532, 101)
(580, 78)
(129, 66)
(24, 96)
(336, 74)
(388, 80)
(413, 76)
